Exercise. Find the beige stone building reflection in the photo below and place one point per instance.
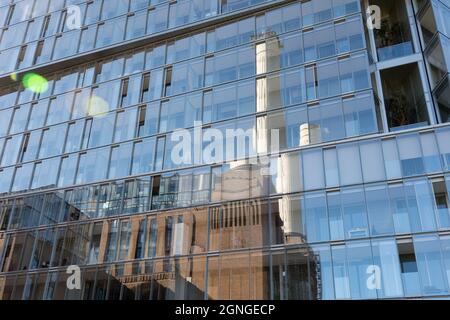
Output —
(176, 242)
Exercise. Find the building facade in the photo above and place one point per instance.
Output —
(314, 161)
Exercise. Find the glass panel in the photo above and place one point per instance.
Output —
(52, 141)
(431, 158)
(340, 273)
(92, 166)
(331, 167)
(372, 161)
(391, 159)
(120, 162)
(420, 205)
(429, 263)
(143, 156)
(386, 258)
(359, 256)
(316, 217)
(379, 212)
(349, 164)
(355, 218)
(313, 170)
(399, 208)
(410, 155)
(335, 214)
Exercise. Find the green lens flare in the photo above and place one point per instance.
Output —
(35, 83)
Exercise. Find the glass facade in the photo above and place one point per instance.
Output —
(224, 149)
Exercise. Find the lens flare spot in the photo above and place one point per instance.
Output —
(13, 76)
(97, 107)
(35, 83)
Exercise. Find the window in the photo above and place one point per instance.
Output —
(66, 44)
(92, 12)
(280, 20)
(190, 11)
(11, 150)
(119, 165)
(431, 159)
(5, 118)
(446, 256)
(22, 178)
(87, 38)
(92, 166)
(372, 161)
(359, 260)
(136, 25)
(326, 121)
(391, 159)
(124, 241)
(148, 119)
(125, 125)
(353, 73)
(429, 264)
(379, 211)
(130, 91)
(134, 63)
(185, 48)
(231, 35)
(340, 271)
(313, 174)
(316, 217)
(81, 103)
(109, 70)
(331, 167)
(410, 155)
(168, 81)
(386, 257)
(110, 32)
(159, 157)
(443, 137)
(283, 89)
(179, 113)
(60, 109)
(104, 98)
(6, 176)
(354, 209)
(152, 86)
(52, 141)
(229, 101)
(101, 132)
(344, 7)
(349, 35)
(230, 66)
(328, 78)
(277, 53)
(38, 114)
(349, 164)
(143, 156)
(399, 208)
(74, 136)
(67, 171)
(335, 215)
(96, 236)
(45, 173)
(30, 146)
(441, 197)
(20, 119)
(420, 205)
(111, 251)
